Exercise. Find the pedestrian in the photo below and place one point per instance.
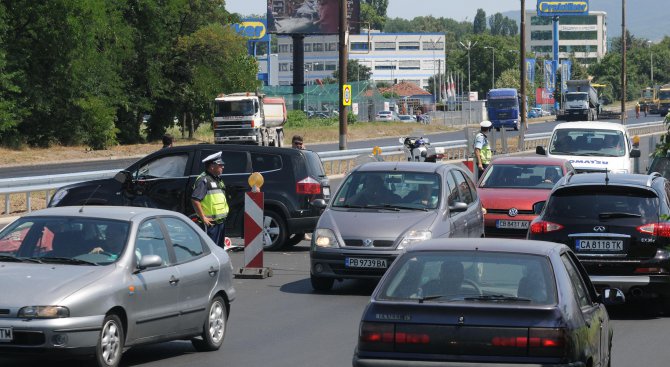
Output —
(168, 139)
(482, 148)
(209, 198)
(297, 142)
(637, 110)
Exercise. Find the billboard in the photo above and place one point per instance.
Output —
(311, 16)
(253, 29)
(549, 8)
(549, 76)
(543, 97)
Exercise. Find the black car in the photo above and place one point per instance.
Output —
(164, 179)
(481, 302)
(617, 225)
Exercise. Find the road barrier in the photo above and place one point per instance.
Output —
(254, 234)
(335, 162)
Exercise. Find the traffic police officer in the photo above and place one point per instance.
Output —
(209, 198)
(482, 148)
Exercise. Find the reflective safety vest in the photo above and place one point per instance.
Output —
(214, 203)
(485, 151)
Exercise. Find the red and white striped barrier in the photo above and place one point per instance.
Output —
(253, 238)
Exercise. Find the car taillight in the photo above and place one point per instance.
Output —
(308, 186)
(544, 227)
(383, 337)
(656, 229)
(540, 342)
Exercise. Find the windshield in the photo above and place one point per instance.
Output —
(571, 97)
(588, 142)
(243, 107)
(647, 94)
(470, 276)
(664, 94)
(372, 189)
(80, 241)
(503, 103)
(521, 176)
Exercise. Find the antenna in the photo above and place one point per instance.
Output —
(81, 210)
(607, 177)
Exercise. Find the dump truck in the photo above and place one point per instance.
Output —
(249, 118)
(581, 101)
(664, 99)
(649, 99)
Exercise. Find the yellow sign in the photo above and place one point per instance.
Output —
(346, 94)
(256, 181)
(376, 151)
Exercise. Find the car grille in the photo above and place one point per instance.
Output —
(375, 243)
(505, 211)
(495, 232)
(4, 312)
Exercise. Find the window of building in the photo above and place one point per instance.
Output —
(284, 49)
(578, 48)
(536, 20)
(385, 65)
(284, 82)
(409, 64)
(579, 20)
(331, 46)
(360, 46)
(585, 35)
(433, 45)
(318, 66)
(541, 49)
(541, 36)
(330, 66)
(308, 47)
(409, 46)
(385, 46)
(283, 66)
(317, 47)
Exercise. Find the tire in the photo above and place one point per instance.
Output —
(109, 348)
(321, 284)
(294, 239)
(214, 327)
(280, 139)
(274, 231)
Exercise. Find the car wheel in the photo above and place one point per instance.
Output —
(109, 348)
(274, 231)
(321, 284)
(294, 239)
(280, 138)
(214, 329)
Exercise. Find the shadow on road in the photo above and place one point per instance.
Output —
(344, 288)
(637, 311)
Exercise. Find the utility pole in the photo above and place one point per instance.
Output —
(623, 62)
(343, 32)
(493, 66)
(522, 75)
(468, 47)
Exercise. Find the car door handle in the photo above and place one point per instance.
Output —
(173, 280)
(212, 271)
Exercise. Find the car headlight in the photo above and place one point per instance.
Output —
(414, 236)
(325, 238)
(58, 196)
(44, 312)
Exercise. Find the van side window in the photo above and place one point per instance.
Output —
(234, 162)
(261, 162)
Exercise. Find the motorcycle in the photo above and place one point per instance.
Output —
(417, 149)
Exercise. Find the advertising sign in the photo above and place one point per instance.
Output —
(254, 29)
(549, 8)
(543, 97)
(566, 69)
(549, 77)
(346, 94)
(311, 16)
(530, 71)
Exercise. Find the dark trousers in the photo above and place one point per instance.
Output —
(217, 233)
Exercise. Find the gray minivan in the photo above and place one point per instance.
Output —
(382, 208)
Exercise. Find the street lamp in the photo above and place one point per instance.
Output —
(493, 66)
(651, 53)
(468, 47)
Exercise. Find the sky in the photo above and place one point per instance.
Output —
(408, 9)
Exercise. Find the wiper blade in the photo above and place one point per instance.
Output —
(10, 258)
(383, 206)
(67, 260)
(606, 215)
(429, 298)
(497, 298)
(405, 207)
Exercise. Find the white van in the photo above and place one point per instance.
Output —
(592, 146)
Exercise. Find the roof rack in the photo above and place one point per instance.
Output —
(568, 177)
(651, 178)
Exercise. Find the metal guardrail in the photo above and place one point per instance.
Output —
(335, 162)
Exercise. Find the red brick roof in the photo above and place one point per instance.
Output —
(405, 89)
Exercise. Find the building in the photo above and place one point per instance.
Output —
(392, 57)
(268, 76)
(585, 37)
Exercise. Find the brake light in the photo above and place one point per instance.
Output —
(656, 229)
(411, 338)
(383, 337)
(308, 186)
(510, 341)
(651, 271)
(546, 342)
(544, 227)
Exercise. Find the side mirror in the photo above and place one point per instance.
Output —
(612, 297)
(150, 261)
(123, 177)
(540, 150)
(319, 203)
(401, 140)
(458, 207)
(635, 153)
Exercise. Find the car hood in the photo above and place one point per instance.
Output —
(358, 223)
(45, 284)
(522, 199)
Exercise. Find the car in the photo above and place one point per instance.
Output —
(513, 191)
(92, 281)
(660, 164)
(383, 208)
(481, 302)
(294, 178)
(387, 116)
(407, 118)
(538, 112)
(617, 226)
(592, 146)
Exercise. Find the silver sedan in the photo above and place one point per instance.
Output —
(97, 280)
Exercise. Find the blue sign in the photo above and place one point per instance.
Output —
(548, 8)
(530, 71)
(254, 29)
(549, 77)
(566, 69)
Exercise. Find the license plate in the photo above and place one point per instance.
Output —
(512, 224)
(6, 334)
(599, 245)
(355, 262)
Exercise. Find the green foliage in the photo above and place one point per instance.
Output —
(479, 24)
(390, 95)
(351, 118)
(355, 71)
(373, 13)
(298, 118)
(502, 26)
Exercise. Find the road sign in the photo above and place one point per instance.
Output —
(346, 93)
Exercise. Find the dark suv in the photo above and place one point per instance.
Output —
(617, 225)
(164, 179)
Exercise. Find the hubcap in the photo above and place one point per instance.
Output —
(110, 342)
(217, 324)
(270, 231)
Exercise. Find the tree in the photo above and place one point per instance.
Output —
(479, 24)
(355, 72)
(497, 24)
(373, 13)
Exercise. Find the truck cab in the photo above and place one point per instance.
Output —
(503, 108)
(249, 118)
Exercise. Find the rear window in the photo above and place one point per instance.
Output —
(598, 203)
(314, 164)
(452, 276)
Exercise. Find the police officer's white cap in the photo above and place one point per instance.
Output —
(485, 124)
(213, 158)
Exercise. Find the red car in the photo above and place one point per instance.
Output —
(513, 191)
